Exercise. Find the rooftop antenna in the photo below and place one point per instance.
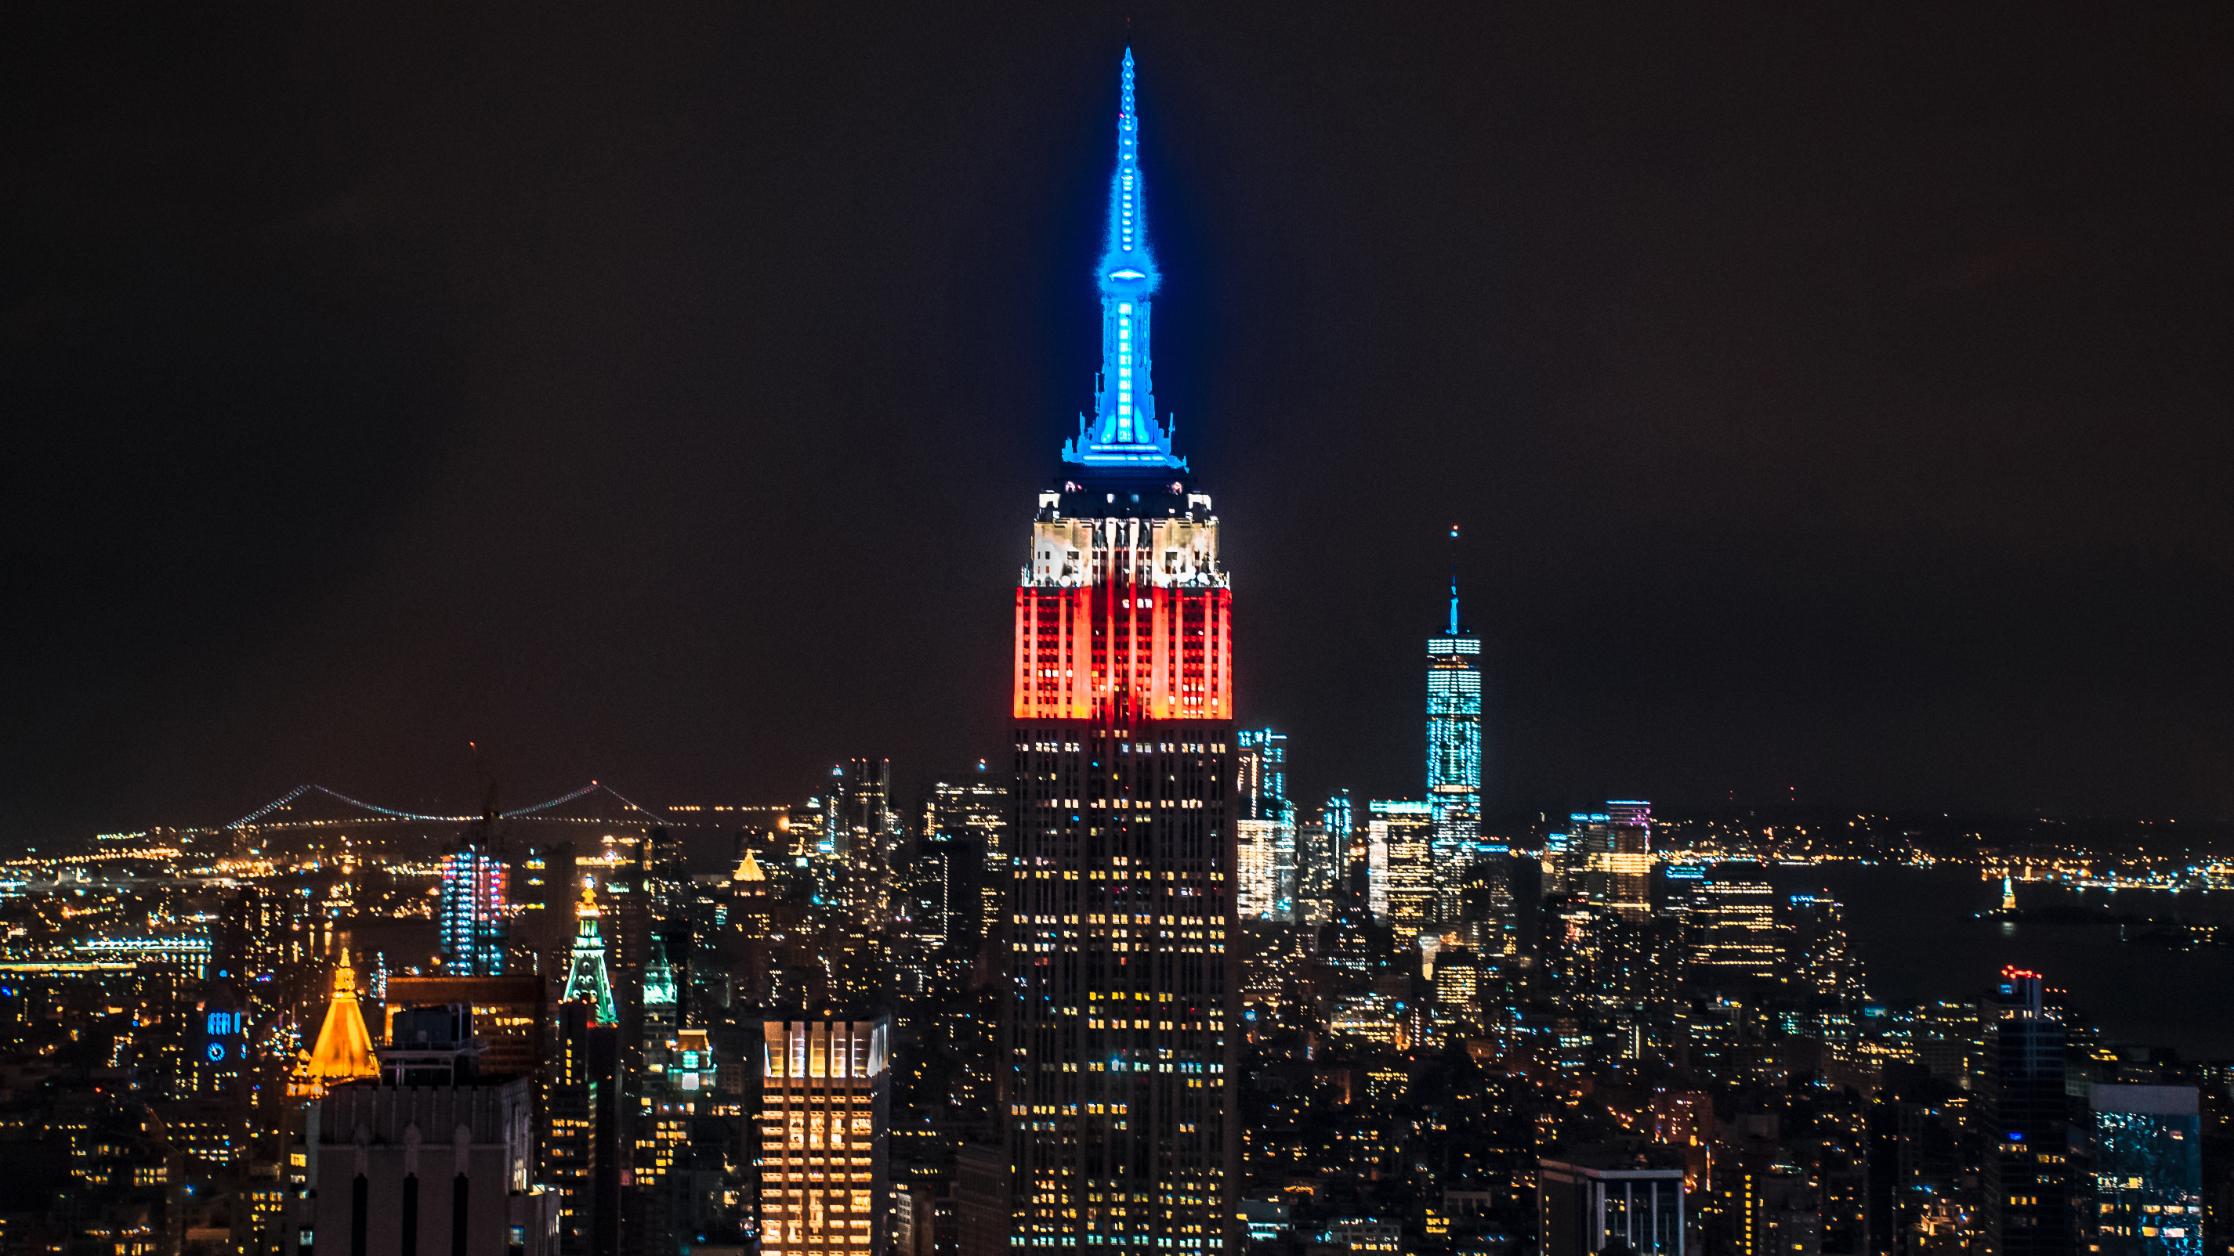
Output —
(1454, 580)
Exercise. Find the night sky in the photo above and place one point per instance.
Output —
(1839, 404)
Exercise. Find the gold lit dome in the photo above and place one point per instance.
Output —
(343, 1051)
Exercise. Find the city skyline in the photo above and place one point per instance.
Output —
(560, 462)
(1184, 967)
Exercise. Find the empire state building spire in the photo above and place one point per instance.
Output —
(1124, 431)
(1120, 1010)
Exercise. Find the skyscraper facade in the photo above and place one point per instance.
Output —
(968, 820)
(1256, 868)
(1119, 1024)
(1602, 1197)
(2025, 1182)
(1266, 858)
(1739, 944)
(1629, 859)
(1614, 848)
(1454, 732)
(473, 912)
(375, 1185)
(825, 1134)
(1263, 774)
(1400, 849)
(853, 883)
(2148, 1172)
(1338, 817)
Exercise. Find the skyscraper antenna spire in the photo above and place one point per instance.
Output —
(1125, 431)
(1454, 580)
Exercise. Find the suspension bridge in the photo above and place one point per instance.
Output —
(375, 812)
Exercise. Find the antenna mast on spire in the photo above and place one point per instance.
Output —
(1454, 580)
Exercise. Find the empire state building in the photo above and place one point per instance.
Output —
(1118, 1024)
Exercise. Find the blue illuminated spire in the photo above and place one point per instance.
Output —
(1454, 631)
(1127, 266)
(1124, 431)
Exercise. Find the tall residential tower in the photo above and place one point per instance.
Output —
(2025, 1180)
(473, 912)
(1118, 1029)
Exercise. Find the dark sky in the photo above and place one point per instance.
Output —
(1832, 402)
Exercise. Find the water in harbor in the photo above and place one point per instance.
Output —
(1917, 931)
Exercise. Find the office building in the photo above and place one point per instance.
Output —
(1120, 1000)
(825, 1126)
(1315, 861)
(1256, 868)
(853, 882)
(1734, 918)
(1261, 774)
(1400, 848)
(510, 1014)
(2025, 1185)
(1457, 981)
(863, 828)
(966, 823)
(1556, 871)
(1598, 1198)
(588, 982)
(1626, 862)
(2148, 1172)
(545, 905)
(441, 1167)
(1338, 817)
(1268, 860)
(677, 1180)
(1613, 851)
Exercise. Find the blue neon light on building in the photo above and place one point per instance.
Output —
(474, 906)
(1124, 431)
(1454, 728)
(1264, 774)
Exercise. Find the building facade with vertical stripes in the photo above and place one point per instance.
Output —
(825, 1137)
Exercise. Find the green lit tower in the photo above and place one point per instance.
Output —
(586, 979)
(583, 1147)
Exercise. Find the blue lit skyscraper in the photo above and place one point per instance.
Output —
(2148, 1172)
(1263, 763)
(1454, 739)
(1338, 815)
(473, 911)
(1266, 859)
(1338, 831)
